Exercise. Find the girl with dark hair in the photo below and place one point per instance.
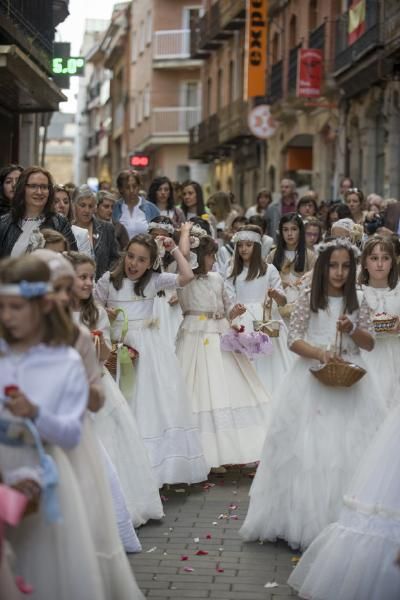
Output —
(192, 200)
(253, 284)
(380, 283)
(229, 403)
(8, 181)
(32, 209)
(114, 424)
(291, 258)
(159, 399)
(263, 200)
(161, 193)
(318, 433)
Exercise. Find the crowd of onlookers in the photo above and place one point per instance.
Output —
(101, 223)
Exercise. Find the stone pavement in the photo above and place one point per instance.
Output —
(206, 518)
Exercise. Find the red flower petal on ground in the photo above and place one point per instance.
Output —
(201, 553)
(184, 557)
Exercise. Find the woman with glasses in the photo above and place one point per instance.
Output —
(32, 210)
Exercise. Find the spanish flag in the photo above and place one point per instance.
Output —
(356, 20)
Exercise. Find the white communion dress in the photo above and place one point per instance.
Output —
(317, 436)
(355, 558)
(57, 558)
(271, 369)
(116, 428)
(383, 361)
(230, 405)
(159, 399)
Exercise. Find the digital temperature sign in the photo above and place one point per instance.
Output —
(70, 65)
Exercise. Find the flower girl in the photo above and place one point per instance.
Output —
(379, 279)
(229, 403)
(43, 386)
(253, 283)
(115, 424)
(159, 399)
(318, 433)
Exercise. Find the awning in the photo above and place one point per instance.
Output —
(24, 87)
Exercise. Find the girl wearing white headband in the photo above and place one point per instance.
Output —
(318, 433)
(253, 283)
(42, 380)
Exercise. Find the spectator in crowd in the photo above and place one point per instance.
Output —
(355, 200)
(31, 210)
(220, 206)
(263, 200)
(105, 206)
(307, 207)
(63, 206)
(8, 180)
(285, 205)
(192, 200)
(103, 243)
(345, 184)
(336, 210)
(391, 219)
(132, 209)
(161, 193)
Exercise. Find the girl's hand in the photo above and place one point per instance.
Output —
(344, 324)
(19, 405)
(30, 489)
(167, 242)
(237, 310)
(96, 399)
(279, 298)
(186, 227)
(112, 313)
(173, 300)
(325, 356)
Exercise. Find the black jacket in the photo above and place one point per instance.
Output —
(4, 205)
(10, 231)
(105, 246)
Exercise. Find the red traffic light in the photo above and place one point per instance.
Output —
(139, 161)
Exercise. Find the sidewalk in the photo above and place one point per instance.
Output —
(207, 518)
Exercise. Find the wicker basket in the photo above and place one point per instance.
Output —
(112, 361)
(286, 311)
(270, 327)
(338, 374)
(385, 325)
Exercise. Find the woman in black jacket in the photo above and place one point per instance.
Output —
(8, 181)
(31, 210)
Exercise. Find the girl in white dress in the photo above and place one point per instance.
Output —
(89, 460)
(318, 433)
(115, 424)
(292, 259)
(159, 399)
(42, 381)
(166, 305)
(379, 279)
(357, 558)
(252, 283)
(228, 400)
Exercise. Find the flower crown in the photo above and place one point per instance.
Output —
(196, 233)
(164, 226)
(246, 236)
(338, 243)
(26, 289)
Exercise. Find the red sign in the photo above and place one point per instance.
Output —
(309, 73)
(139, 161)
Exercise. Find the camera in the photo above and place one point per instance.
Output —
(372, 225)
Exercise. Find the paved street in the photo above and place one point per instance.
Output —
(207, 519)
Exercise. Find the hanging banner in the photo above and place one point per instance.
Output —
(309, 73)
(256, 47)
(357, 20)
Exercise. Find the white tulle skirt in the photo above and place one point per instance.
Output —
(116, 427)
(57, 559)
(270, 369)
(117, 577)
(229, 403)
(383, 364)
(170, 317)
(317, 437)
(354, 558)
(161, 407)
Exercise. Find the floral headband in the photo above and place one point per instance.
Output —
(26, 289)
(246, 236)
(196, 233)
(338, 243)
(164, 226)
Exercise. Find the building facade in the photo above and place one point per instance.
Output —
(26, 90)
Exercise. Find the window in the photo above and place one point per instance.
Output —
(292, 31)
(146, 103)
(134, 46)
(140, 108)
(141, 38)
(220, 90)
(208, 97)
(312, 15)
(149, 27)
(275, 48)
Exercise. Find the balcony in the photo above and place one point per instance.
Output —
(233, 122)
(316, 38)
(220, 22)
(347, 55)
(233, 14)
(204, 138)
(276, 82)
(391, 30)
(174, 121)
(172, 49)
